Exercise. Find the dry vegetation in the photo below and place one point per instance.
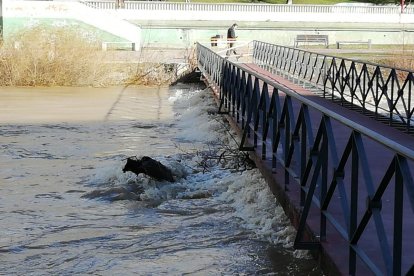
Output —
(401, 61)
(60, 56)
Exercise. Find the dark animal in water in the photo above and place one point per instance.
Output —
(148, 166)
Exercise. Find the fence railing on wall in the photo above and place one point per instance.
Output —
(384, 91)
(298, 135)
(262, 8)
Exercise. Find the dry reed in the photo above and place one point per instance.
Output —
(61, 56)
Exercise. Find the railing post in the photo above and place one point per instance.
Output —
(354, 204)
(398, 220)
(324, 181)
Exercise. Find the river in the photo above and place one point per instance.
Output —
(67, 208)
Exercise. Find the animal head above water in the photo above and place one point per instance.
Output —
(133, 165)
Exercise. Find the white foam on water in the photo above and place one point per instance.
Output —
(195, 122)
(110, 175)
(246, 192)
(253, 202)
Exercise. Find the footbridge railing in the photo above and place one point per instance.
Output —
(385, 92)
(360, 203)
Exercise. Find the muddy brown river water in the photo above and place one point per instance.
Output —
(67, 208)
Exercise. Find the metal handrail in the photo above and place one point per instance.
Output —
(382, 90)
(264, 110)
(364, 130)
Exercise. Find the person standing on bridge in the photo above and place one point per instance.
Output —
(231, 38)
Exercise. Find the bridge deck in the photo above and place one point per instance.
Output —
(335, 250)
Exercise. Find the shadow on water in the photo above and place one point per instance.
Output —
(116, 193)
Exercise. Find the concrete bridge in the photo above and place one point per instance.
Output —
(334, 139)
(180, 25)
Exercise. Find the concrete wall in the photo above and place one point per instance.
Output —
(107, 21)
(183, 37)
(1, 20)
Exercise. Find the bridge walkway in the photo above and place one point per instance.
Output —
(335, 249)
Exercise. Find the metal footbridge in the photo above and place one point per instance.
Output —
(334, 138)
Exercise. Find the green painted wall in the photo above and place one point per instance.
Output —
(186, 37)
(184, 34)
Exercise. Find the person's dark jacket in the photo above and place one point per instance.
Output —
(231, 33)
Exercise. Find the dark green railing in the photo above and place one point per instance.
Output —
(384, 92)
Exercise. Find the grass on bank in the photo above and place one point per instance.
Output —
(61, 56)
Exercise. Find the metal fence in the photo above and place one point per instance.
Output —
(256, 8)
(384, 92)
(367, 200)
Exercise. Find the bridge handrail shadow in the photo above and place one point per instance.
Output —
(385, 93)
(354, 186)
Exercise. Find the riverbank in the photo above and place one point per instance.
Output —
(61, 56)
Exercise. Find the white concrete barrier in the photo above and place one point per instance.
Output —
(149, 10)
(108, 21)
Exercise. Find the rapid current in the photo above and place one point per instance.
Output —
(66, 207)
